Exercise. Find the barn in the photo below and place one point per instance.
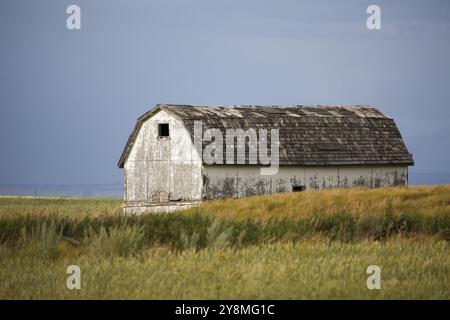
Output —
(180, 155)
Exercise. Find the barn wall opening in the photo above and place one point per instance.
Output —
(163, 130)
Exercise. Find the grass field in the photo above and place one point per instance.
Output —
(314, 244)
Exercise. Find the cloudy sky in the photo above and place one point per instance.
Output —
(69, 98)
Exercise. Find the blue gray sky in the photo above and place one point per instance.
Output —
(69, 98)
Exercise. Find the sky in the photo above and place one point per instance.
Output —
(70, 98)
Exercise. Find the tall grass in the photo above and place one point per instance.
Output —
(43, 239)
(116, 241)
(314, 244)
(181, 231)
(313, 269)
(418, 200)
(47, 221)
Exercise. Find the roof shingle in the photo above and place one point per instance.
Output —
(309, 135)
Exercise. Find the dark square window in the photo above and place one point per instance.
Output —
(163, 129)
(298, 188)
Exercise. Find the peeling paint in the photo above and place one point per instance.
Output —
(162, 171)
(218, 181)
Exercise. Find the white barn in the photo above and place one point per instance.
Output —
(320, 147)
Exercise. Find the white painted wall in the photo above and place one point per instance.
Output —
(238, 181)
(161, 167)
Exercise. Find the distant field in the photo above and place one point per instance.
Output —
(314, 244)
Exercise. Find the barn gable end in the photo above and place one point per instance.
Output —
(161, 169)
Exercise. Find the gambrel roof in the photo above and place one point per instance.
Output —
(309, 135)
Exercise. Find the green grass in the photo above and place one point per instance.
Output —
(315, 244)
(306, 270)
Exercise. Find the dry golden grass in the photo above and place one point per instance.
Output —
(421, 200)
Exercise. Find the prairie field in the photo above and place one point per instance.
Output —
(307, 245)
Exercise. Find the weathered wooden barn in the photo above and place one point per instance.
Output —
(319, 147)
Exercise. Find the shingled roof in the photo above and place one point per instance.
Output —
(309, 135)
